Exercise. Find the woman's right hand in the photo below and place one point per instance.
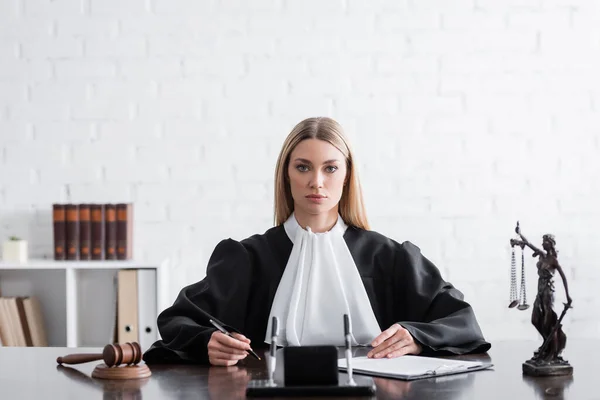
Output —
(226, 351)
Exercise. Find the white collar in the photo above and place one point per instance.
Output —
(291, 227)
(319, 285)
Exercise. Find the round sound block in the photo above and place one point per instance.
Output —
(102, 371)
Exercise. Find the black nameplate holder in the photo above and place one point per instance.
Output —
(308, 371)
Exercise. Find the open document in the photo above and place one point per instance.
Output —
(411, 367)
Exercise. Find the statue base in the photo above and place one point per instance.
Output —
(535, 367)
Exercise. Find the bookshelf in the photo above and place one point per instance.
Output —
(79, 298)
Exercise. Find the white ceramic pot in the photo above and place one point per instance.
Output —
(14, 251)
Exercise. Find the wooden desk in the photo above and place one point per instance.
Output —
(32, 373)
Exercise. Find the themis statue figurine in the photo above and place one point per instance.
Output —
(546, 360)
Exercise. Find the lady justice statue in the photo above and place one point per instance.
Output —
(546, 360)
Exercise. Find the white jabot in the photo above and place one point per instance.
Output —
(319, 285)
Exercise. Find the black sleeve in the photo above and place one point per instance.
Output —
(223, 293)
(438, 317)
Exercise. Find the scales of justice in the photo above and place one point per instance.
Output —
(546, 360)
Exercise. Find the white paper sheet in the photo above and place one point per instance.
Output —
(411, 367)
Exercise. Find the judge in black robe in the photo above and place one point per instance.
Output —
(242, 278)
(316, 181)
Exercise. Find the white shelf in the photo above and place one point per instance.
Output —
(78, 295)
(75, 264)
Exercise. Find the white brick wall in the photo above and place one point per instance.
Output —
(466, 115)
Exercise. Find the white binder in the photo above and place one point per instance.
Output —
(147, 307)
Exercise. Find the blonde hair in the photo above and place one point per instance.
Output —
(351, 205)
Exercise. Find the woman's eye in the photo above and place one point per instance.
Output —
(331, 169)
(302, 168)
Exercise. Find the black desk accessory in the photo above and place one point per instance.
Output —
(348, 337)
(308, 371)
(271, 361)
(310, 365)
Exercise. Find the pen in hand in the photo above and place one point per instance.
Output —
(223, 330)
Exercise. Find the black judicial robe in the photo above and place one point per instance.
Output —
(242, 278)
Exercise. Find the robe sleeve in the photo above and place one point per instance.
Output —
(438, 318)
(184, 327)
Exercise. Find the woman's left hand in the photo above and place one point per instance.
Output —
(394, 342)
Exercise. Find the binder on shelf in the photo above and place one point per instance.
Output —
(124, 231)
(97, 231)
(147, 310)
(72, 231)
(85, 232)
(127, 306)
(59, 231)
(110, 232)
(114, 332)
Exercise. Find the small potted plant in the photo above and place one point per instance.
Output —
(15, 250)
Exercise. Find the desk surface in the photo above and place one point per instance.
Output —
(32, 373)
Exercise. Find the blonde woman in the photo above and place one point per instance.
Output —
(319, 262)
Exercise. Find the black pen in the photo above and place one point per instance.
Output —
(220, 328)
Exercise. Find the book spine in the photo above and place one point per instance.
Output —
(85, 232)
(59, 231)
(97, 231)
(110, 229)
(24, 322)
(124, 231)
(72, 229)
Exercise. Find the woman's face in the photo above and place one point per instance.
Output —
(316, 171)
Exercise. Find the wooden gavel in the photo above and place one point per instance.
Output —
(113, 355)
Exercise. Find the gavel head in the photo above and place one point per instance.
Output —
(122, 354)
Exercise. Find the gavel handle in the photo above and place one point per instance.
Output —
(79, 358)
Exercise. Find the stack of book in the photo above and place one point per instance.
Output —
(22, 322)
(93, 231)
